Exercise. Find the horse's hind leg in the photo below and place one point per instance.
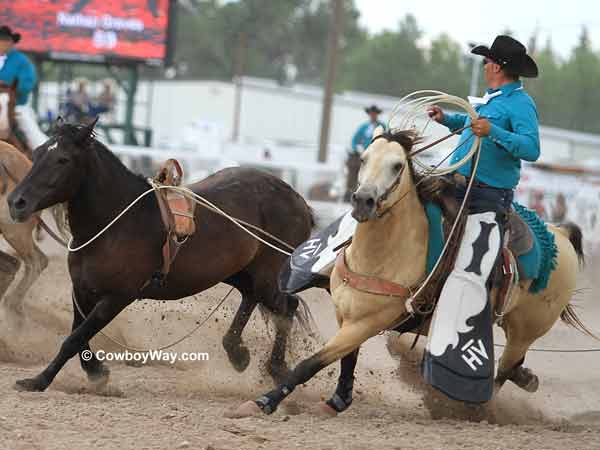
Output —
(510, 366)
(20, 238)
(284, 308)
(237, 352)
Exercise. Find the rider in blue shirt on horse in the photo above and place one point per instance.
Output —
(364, 134)
(16, 67)
(508, 126)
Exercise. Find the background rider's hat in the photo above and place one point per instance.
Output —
(510, 54)
(373, 108)
(6, 33)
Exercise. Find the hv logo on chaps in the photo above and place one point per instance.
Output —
(473, 352)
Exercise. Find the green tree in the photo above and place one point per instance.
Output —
(446, 68)
(276, 34)
(581, 95)
(388, 63)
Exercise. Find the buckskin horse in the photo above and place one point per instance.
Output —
(72, 167)
(390, 243)
(13, 167)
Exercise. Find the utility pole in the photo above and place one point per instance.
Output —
(239, 63)
(332, 63)
(475, 71)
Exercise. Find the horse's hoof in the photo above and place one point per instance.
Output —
(324, 411)
(532, 385)
(526, 380)
(99, 376)
(241, 358)
(30, 385)
(238, 354)
(247, 409)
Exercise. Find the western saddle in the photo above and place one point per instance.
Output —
(178, 215)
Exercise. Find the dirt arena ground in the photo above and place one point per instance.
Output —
(164, 406)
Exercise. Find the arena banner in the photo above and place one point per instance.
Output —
(95, 30)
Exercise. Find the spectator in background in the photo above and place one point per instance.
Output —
(360, 141)
(105, 101)
(536, 202)
(78, 102)
(364, 134)
(559, 211)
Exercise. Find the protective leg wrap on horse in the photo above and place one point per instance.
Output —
(459, 358)
(342, 398)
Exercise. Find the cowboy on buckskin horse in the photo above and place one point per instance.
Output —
(508, 124)
(15, 67)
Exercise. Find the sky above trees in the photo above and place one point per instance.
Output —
(289, 37)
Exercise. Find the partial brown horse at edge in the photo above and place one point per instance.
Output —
(14, 164)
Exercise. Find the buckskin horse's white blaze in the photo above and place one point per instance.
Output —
(394, 247)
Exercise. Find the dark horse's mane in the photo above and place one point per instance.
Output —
(91, 143)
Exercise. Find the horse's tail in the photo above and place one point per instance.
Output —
(304, 317)
(576, 238)
(569, 316)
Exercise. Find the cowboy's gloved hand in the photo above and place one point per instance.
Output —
(481, 127)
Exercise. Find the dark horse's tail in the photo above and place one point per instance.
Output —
(568, 315)
(576, 238)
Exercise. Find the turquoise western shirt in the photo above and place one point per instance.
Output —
(514, 136)
(18, 67)
(364, 134)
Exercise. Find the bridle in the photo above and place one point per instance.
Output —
(409, 155)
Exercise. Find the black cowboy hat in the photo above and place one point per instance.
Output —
(373, 108)
(510, 54)
(6, 32)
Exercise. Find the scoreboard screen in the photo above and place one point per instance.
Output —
(95, 30)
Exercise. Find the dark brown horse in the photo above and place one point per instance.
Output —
(107, 275)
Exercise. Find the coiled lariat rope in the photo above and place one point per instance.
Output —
(415, 105)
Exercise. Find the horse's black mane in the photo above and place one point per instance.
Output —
(70, 131)
(429, 189)
(406, 138)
